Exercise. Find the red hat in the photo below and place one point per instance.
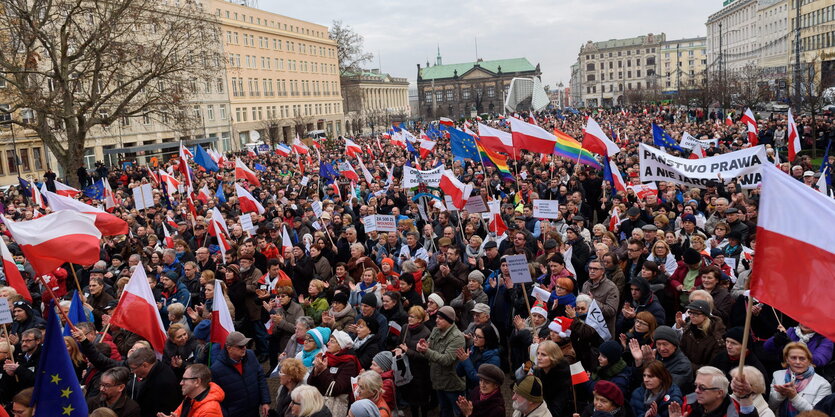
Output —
(562, 326)
(610, 391)
(540, 308)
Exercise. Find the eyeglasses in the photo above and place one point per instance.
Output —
(593, 268)
(295, 402)
(108, 386)
(189, 378)
(704, 388)
(475, 336)
(641, 323)
(27, 340)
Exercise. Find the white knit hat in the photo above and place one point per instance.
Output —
(437, 299)
(344, 340)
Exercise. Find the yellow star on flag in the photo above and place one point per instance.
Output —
(66, 393)
(55, 379)
(68, 410)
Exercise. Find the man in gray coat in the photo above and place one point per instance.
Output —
(604, 291)
(439, 350)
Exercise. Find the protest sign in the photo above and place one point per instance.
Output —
(317, 208)
(413, 177)
(546, 209)
(448, 203)
(595, 319)
(744, 165)
(246, 223)
(518, 266)
(385, 223)
(370, 223)
(5, 311)
(541, 294)
(689, 142)
(643, 190)
(143, 196)
(475, 204)
(305, 180)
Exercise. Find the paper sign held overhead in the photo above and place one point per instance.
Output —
(475, 204)
(518, 266)
(546, 209)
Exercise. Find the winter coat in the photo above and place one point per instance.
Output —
(820, 346)
(556, 387)
(341, 379)
(207, 404)
(492, 406)
(680, 368)
(286, 329)
(418, 390)
(699, 346)
(605, 292)
(245, 391)
(159, 391)
(365, 353)
(441, 356)
(639, 408)
(468, 368)
(123, 407)
(816, 390)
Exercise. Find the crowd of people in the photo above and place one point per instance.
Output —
(427, 318)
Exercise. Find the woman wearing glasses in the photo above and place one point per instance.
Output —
(797, 388)
(306, 401)
(656, 392)
(290, 376)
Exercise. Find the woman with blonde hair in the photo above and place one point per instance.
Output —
(663, 257)
(554, 373)
(291, 376)
(703, 336)
(797, 388)
(306, 401)
(78, 360)
(756, 379)
(370, 386)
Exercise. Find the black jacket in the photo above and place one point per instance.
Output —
(245, 392)
(159, 392)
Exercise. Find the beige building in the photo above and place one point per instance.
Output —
(611, 69)
(282, 74)
(31, 161)
(373, 99)
(817, 39)
(683, 64)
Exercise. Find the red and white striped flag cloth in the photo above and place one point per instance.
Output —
(300, 147)
(137, 310)
(496, 140)
(751, 125)
(351, 148)
(348, 171)
(221, 224)
(794, 138)
(242, 172)
(13, 276)
(697, 152)
(172, 184)
(365, 173)
(108, 224)
(222, 323)
(63, 236)
(578, 373)
(247, 202)
(531, 137)
(204, 195)
(65, 190)
(285, 239)
(458, 191)
(109, 197)
(614, 219)
(595, 140)
(221, 241)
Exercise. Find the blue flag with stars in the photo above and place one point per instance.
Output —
(95, 191)
(57, 391)
(463, 145)
(76, 313)
(661, 139)
(221, 196)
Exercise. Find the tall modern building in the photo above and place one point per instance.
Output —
(611, 70)
(282, 74)
(683, 64)
(459, 90)
(373, 99)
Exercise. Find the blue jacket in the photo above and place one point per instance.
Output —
(182, 296)
(245, 392)
(469, 369)
(637, 401)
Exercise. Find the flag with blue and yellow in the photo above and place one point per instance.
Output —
(57, 391)
(77, 314)
(463, 145)
(661, 139)
(490, 158)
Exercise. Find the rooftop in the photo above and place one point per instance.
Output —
(448, 71)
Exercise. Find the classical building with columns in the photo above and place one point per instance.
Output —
(373, 100)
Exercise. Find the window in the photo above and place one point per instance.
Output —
(439, 96)
(210, 112)
(491, 91)
(27, 115)
(465, 94)
(146, 119)
(222, 111)
(450, 95)
(24, 160)
(590, 77)
(220, 85)
(5, 117)
(254, 114)
(590, 67)
(37, 157)
(11, 162)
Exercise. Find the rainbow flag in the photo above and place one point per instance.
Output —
(568, 147)
(490, 158)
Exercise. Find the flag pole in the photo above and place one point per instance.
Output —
(77, 285)
(749, 311)
(60, 310)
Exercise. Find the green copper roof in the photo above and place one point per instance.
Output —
(448, 71)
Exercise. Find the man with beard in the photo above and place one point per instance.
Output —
(112, 393)
(528, 398)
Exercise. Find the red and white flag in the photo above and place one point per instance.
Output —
(458, 191)
(285, 239)
(365, 172)
(242, 172)
(497, 224)
(351, 148)
(283, 150)
(794, 138)
(729, 121)
(616, 177)
(222, 323)
(531, 137)
(751, 125)
(221, 240)
(578, 373)
(37, 198)
(247, 202)
(595, 140)
(348, 171)
(204, 195)
(614, 219)
(167, 238)
(172, 184)
(137, 310)
(108, 224)
(643, 190)
(13, 276)
(109, 197)
(151, 174)
(184, 169)
(300, 147)
(395, 328)
(65, 190)
(496, 140)
(793, 256)
(218, 219)
(426, 147)
(697, 152)
(446, 121)
(63, 236)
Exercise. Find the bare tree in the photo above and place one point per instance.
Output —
(71, 66)
(748, 87)
(349, 48)
(272, 130)
(813, 85)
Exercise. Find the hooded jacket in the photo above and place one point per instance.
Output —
(207, 404)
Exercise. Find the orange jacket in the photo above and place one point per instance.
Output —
(209, 406)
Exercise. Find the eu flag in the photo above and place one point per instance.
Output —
(202, 158)
(661, 139)
(57, 392)
(260, 167)
(219, 193)
(327, 172)
(463, 145)
(95, 191)
(76, 313)
(24, 187)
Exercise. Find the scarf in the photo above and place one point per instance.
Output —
(801, 381)
(342, 357)
(340, 314)
(650, 397)
(805, 338)
(482, 397)
(359, 342)
(609, 371)
(474, 253)
(307, 357)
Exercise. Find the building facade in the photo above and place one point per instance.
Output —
(612, 70)
(683, 64)
(461, 90)
(21, 151)
(560, 96)
(282, 74)
(732, 36)
(817, 39)
(576, 85)
(372, 98)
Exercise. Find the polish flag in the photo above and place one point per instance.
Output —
(217, 218)
(151, 174)
(697, 152)
(426, 147)
(172, 184)
(496, 140)
(65, 190)
(109, 197)
(395, 328)
(169, 240)
(204, 195)
(215, 155)
(286, 242)
(108, 224)
(497, 224)
(365, 173)
(221, 241)
(13, 276)
(616, 177)
(446, 121)
(351, 148)
(63, 236)
(729, 121)
(794, 138)
(348, 171)
(531, 119)
(793, 256)
(455, 189)
(300, 147)
(37, 198)
(643, 190)
(283, 150)
(531, 137)
(594, 140)
(614, 219)
(751, 124)
(184, 169)
(243, 172)
(248, 203)
(578, 373)
(398, 139)
(222, 323)
(137, 310)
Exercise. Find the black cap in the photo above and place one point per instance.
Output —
(633, 211)
(370, 300)
(732, 210)
(490, 245)
(701, 306)
(551, 243)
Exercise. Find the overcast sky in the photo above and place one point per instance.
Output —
(550, 32)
